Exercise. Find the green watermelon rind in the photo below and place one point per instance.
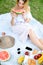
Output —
(18, 12)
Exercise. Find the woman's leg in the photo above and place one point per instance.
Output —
(34, 39)
(41, 40)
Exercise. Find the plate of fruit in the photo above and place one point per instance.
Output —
(34, 58)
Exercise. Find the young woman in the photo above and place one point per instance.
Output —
(20, 23)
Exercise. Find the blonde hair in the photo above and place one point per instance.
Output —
(25, 5)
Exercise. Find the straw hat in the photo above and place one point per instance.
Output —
(7, 42)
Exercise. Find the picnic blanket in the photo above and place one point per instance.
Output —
(5, 20)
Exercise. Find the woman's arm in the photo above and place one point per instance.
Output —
(13, 14)
(27, 18)
(26, 15)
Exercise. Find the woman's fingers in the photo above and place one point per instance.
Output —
(27, 20)
(13, 10)
(13, 14)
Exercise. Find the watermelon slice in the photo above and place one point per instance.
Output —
(18, 11)
(4, 55)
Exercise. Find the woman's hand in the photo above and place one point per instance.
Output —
(13, 14)
(24, 14)
(27, 20)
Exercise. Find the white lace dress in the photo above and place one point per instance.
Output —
(21, 27)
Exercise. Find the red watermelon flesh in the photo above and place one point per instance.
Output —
(18, 11)
(4, 55)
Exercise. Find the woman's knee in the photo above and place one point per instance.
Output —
(30, 32)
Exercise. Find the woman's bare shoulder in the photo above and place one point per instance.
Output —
(28, 8)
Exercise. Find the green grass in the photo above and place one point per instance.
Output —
(36, 8)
